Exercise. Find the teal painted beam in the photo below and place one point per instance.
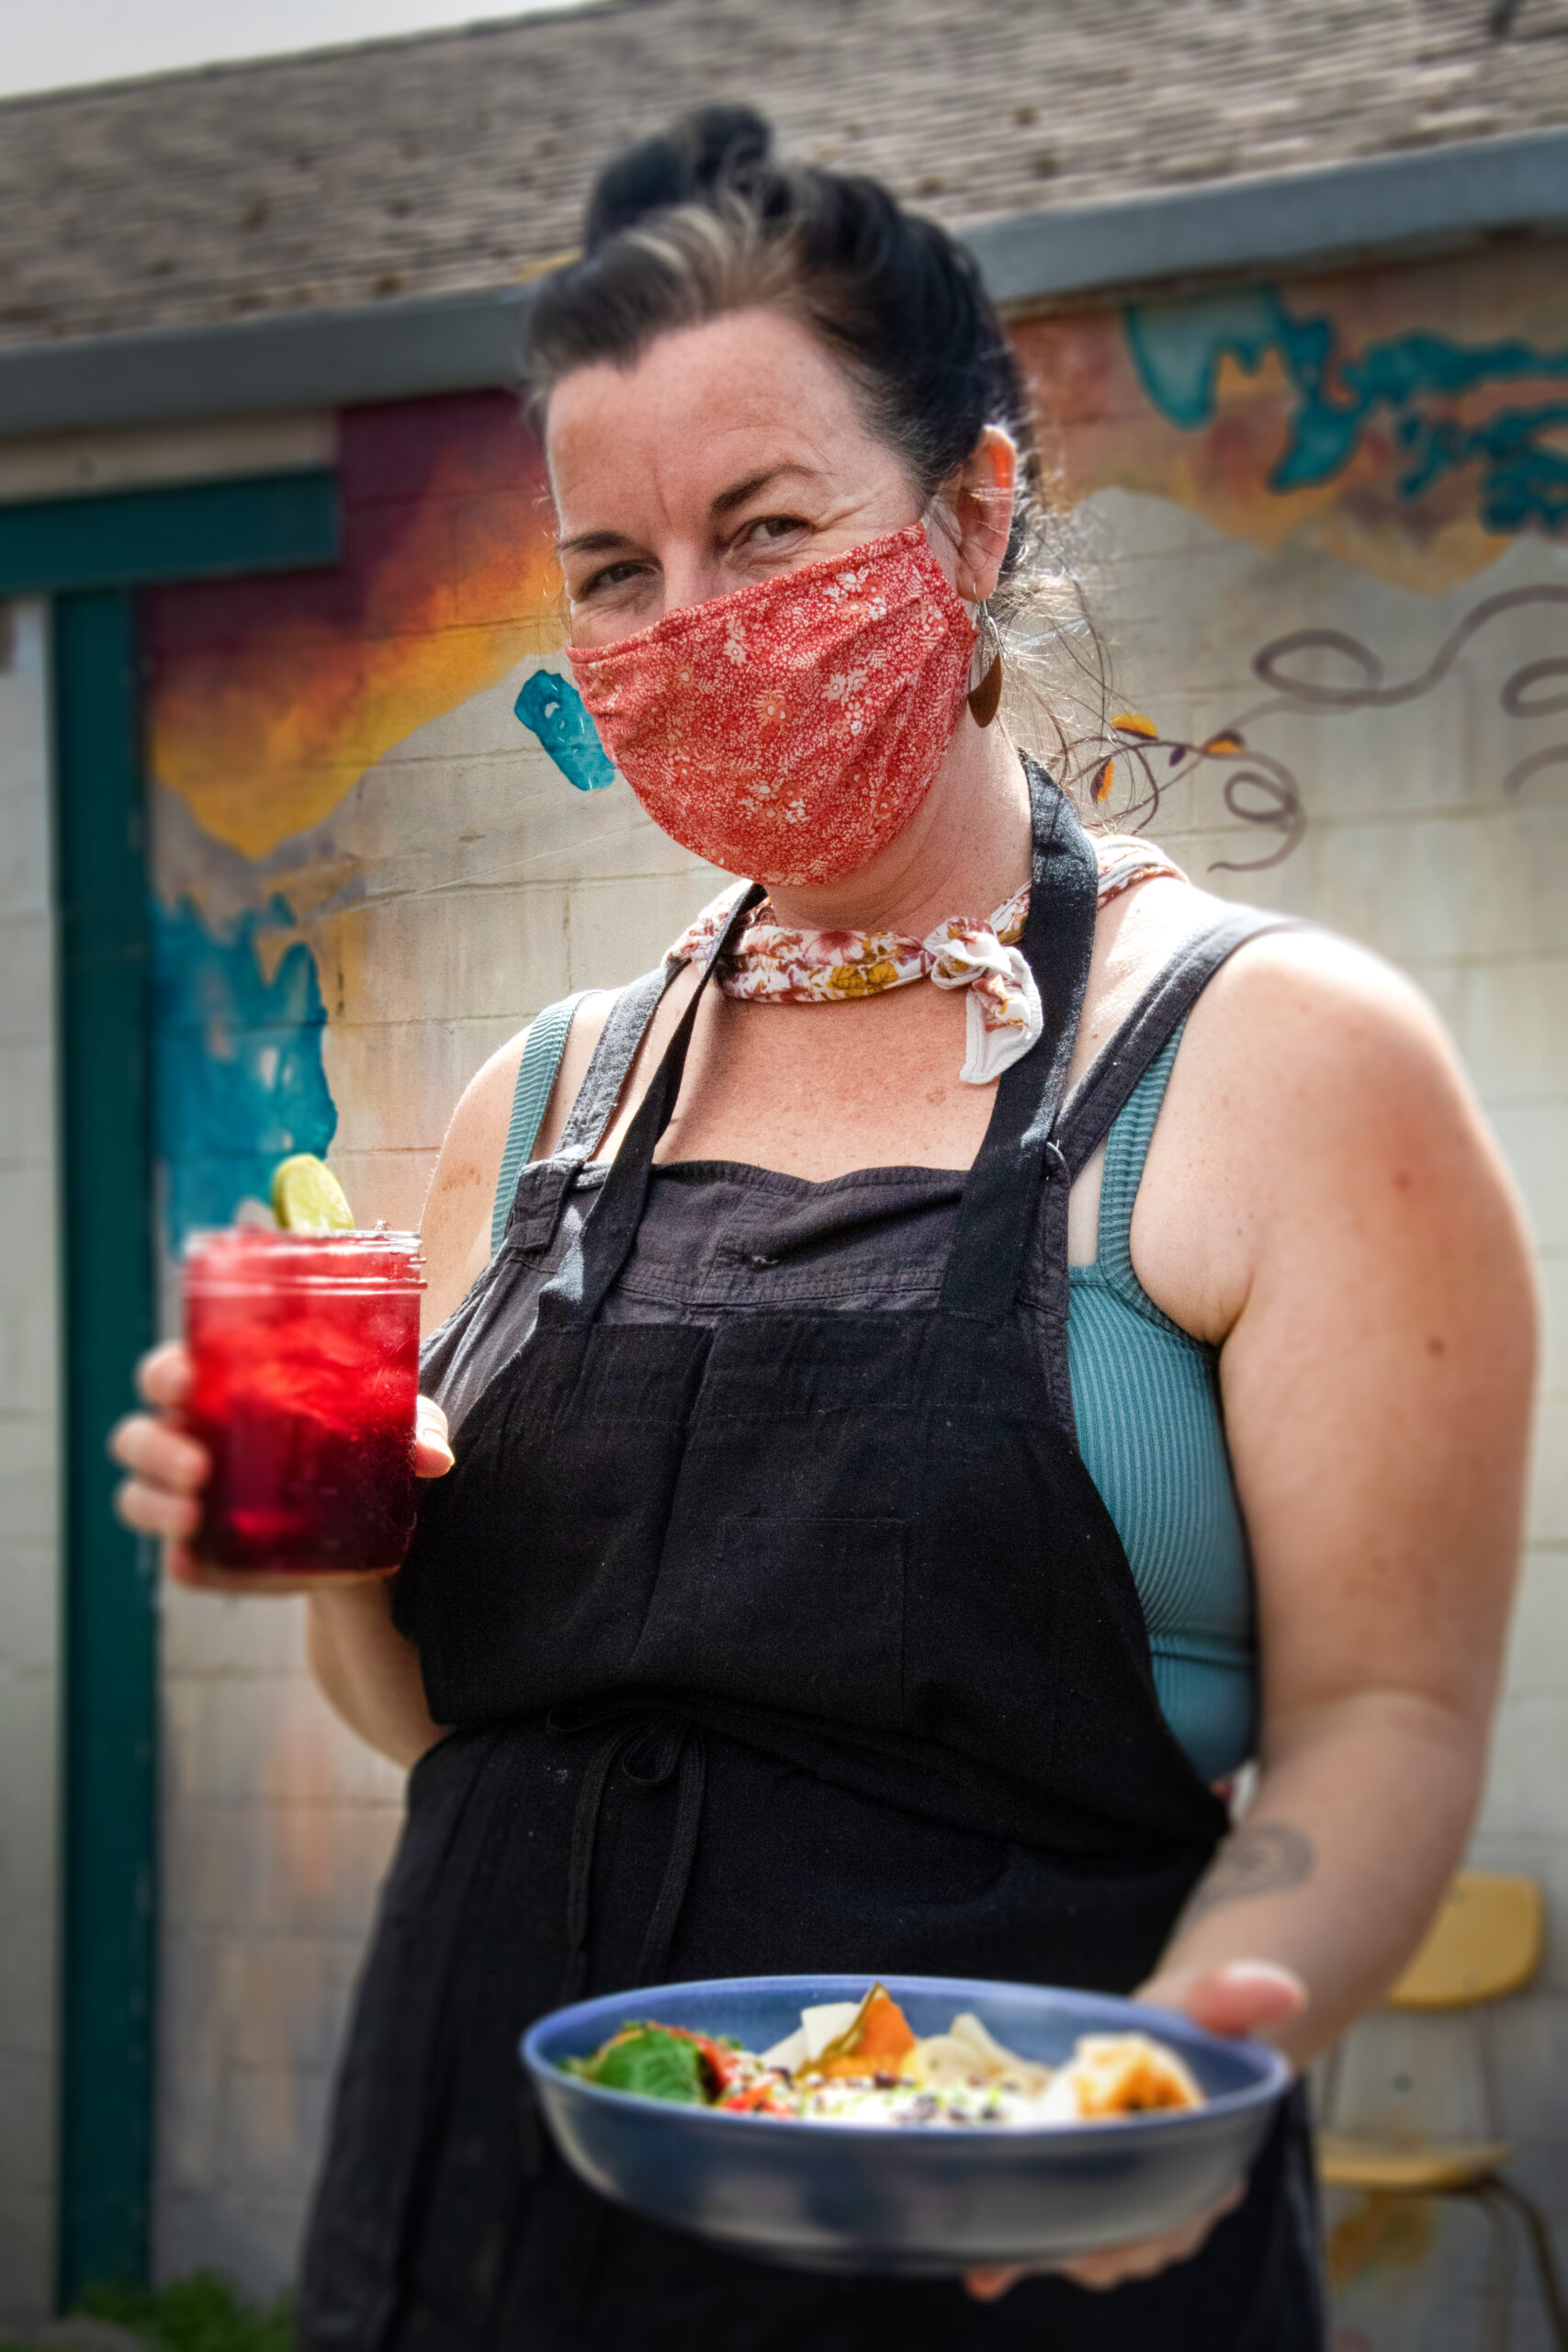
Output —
(109, 1675)
(196, 531)
(92, 553)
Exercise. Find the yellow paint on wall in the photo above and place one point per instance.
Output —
(271, 698)
(260, 750)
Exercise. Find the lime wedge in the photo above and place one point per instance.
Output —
(308, 1198)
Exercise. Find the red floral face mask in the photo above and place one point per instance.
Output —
(789, 731)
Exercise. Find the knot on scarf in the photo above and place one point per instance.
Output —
(1002, 1016)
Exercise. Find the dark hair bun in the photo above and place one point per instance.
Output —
(701, 151)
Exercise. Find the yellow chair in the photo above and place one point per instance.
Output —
(1485, 1941)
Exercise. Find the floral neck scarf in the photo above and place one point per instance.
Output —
(775, 965)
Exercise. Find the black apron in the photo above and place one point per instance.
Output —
(798, 1641)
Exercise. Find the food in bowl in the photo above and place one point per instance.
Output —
(858, 2061)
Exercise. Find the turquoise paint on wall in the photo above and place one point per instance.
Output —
(239, 1081)
(550, 708)
(1178, 347)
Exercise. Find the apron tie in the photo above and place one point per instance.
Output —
(652, 1750)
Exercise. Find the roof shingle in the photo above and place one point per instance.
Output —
(457, 160)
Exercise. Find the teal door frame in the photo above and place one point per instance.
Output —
(90, 555)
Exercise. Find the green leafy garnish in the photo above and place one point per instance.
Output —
(650, 2060)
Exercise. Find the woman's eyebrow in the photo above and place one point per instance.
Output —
(592, 543)
(610, 542)
(739, 493)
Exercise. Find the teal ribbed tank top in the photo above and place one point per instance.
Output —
(1146, 1398)
(1146, 1395)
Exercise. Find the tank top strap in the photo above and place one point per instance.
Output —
(536, 1074)
(1126, 1149)
(1105, 1089)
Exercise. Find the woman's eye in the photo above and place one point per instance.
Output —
(769, 529)
(614, 575)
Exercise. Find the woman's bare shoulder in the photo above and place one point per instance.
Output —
(1297, 1006)
(1291, 998)
(1318, 1119)
(457, 1220)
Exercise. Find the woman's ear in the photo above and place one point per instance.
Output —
(982, 493)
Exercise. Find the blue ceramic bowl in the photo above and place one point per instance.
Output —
(849, 2197)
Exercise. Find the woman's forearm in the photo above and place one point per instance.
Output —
(368, 1673)
(1360, 1815)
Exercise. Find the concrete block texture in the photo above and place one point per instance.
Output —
(28, 1566)
(278, 1825)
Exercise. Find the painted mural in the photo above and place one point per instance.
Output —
(1325, 525)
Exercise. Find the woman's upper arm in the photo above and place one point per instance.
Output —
(1364, 1260)
(455, 1226)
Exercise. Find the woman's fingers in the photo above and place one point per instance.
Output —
(1240, 1997)
(168, 1470)
(1116, 2264)
(263, 1583)
(162, 1376)
(1245, 1997)
(432, 1450)
(1112, 2265)
(989, 2286)
(157, 1510)
(163, 1455)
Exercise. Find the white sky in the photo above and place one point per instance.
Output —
(44, 43)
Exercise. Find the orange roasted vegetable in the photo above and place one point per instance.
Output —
(877, 2041)
(1126, 2073)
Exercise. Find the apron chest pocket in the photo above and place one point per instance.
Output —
(807, 1610)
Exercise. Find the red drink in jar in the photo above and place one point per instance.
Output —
(305, 1370)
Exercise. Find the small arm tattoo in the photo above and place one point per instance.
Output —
(1260, 1858)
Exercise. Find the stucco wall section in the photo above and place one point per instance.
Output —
(27, 1472)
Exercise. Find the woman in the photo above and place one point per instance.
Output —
(824, 1579)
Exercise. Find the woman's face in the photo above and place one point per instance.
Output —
(729, 453)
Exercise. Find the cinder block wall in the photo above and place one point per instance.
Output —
(1414, 849)
(27, 1473)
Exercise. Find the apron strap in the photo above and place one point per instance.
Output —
(531, 1222)
(626, 1025)
(1019, 1150)
(590, 1266)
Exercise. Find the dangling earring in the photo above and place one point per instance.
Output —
(986, 693)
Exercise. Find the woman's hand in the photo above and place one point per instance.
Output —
(1245, 1996)
(169, 1469)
